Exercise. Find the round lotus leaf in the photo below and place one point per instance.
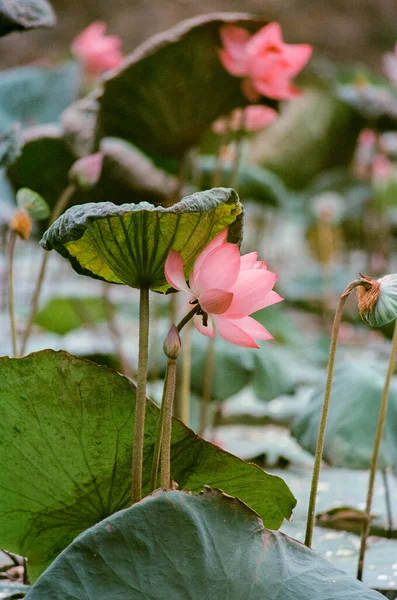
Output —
(33, 204)
(129, 244)
(178, 545)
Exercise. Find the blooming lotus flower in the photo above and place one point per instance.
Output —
(98, 52)
(254, 118)
(227, 288)
(263, 60)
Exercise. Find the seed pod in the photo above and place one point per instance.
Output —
(21, 224)
(377, 300)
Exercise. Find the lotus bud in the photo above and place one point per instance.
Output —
(21, 224)
(172, 344)
(86, 171)
(377, 300)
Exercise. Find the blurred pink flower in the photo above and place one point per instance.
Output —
(367, 137)
(382, 168)
(98, 52)
(263, 60)
(228, 288)
(255, 118)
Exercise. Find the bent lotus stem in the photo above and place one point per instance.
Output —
(140, 410)
(11, 303)
(375, 453)
(324, 413)
(59, 207)
(166, 429)
(207, 384)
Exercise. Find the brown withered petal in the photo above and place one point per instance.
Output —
(21, 224)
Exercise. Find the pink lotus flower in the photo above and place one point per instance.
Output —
(227, 288)
(263, 60)
(255, 118)
(98, 52)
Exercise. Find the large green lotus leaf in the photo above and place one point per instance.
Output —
(66, 432)
(130, 243)
(61, 315)
(35, 95)
(353, 413)
(315, 132)
(176, 545)
(253, 182)
(16, 15)
(43, 163)
(172, 87)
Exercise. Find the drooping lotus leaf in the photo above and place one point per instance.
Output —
(129, 244)
(16, 15)
(172, 87)
(355, 399)
(67, 429)
(43, 163)
(177, 545)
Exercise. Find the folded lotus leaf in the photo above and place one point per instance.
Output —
(129, 244)
(16, 15)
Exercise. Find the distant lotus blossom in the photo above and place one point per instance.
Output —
(98, 52)
(263, 60)
(382, 168)
(251, 118)
(227, 288)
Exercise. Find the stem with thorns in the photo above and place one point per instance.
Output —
(375, 453)
(324, 413)
(140, 410)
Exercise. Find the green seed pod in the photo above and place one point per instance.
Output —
(377, 300)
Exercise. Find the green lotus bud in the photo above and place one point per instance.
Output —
(377, 300)
(172, 344)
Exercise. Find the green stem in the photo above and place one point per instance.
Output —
(375, 453)
(140, 410)
(207, 384)
(165, 466)
(324, 413)
(59, 207)
(11, 303)
(159, 436)
(186, 373)
(186, 319)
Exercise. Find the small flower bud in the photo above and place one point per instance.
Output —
(377, 300)
(86, 171)
(172, 344)
(21, 224)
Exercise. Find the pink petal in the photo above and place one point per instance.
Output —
(258, 117)
(234, 40)
(250, 292)
(230, 332)
(174, 272)
(215, 301)
(219, 270)
(268, 36)
(248, 261)
(253, 328)
(278, 89)
(272, 298)
(198, 322)
(217, 241)
(232, 66)
(297, 55)
(260, 264)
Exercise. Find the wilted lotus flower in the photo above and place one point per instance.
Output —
(98, 52)
(227, 288)
(263, 60)
(377, 300)
(252, 118)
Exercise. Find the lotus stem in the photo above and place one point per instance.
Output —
(324, 413)
(159, 437)
(207, 384)
(58, 209)
(186, 373)
(11, 303)
(375, 453)
(166, 430)
(140, 410)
